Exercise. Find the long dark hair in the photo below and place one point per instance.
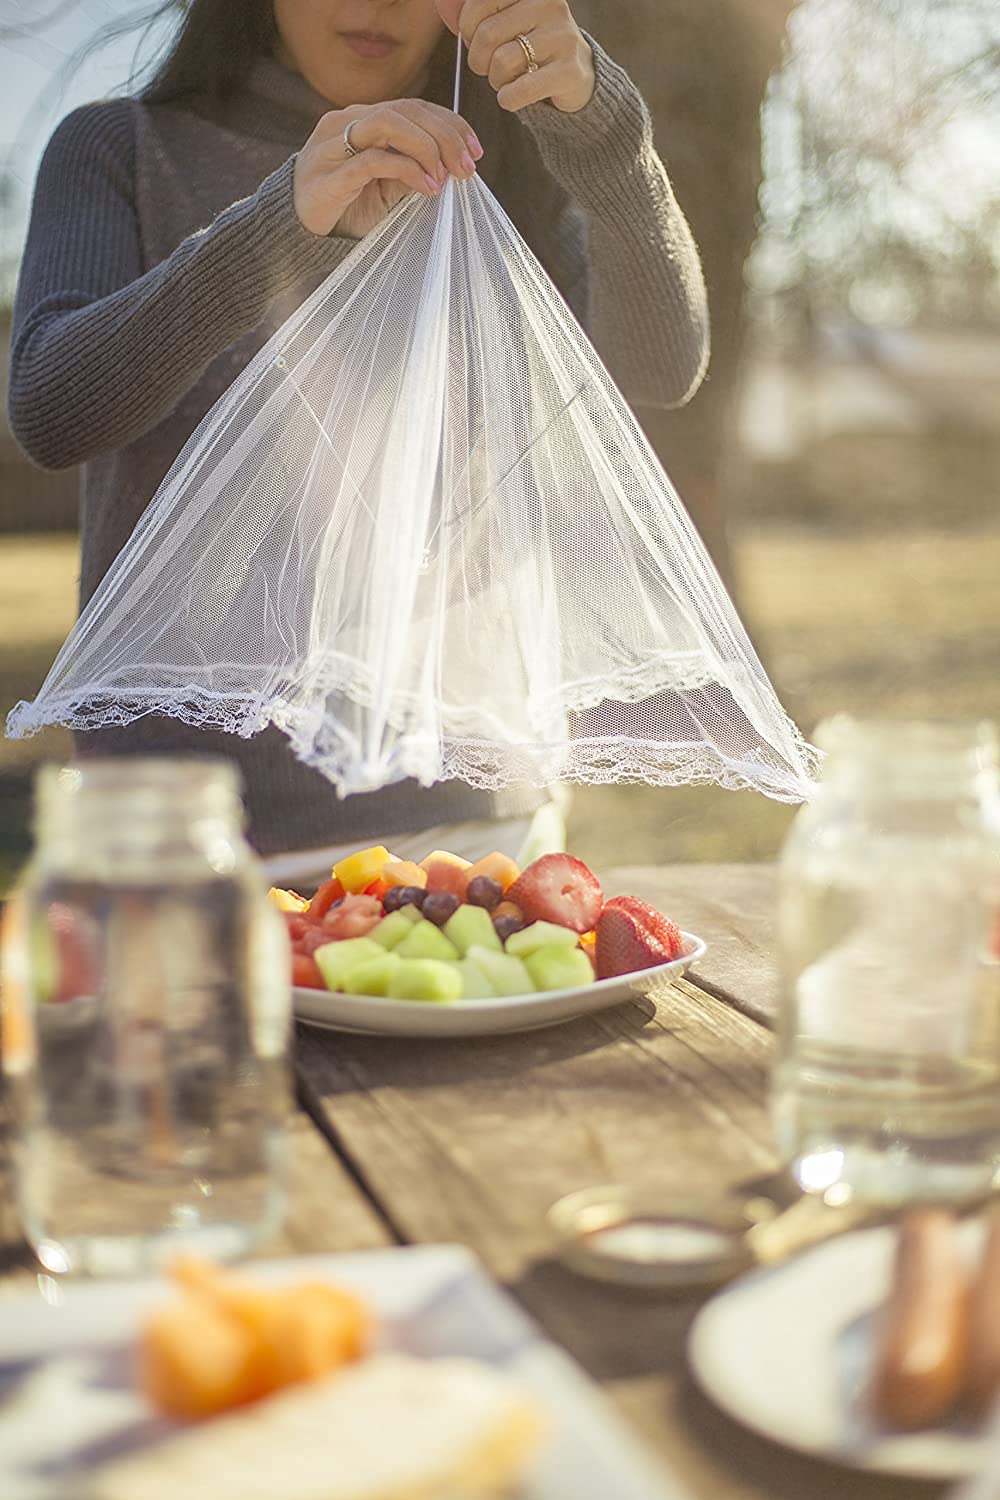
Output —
(210, 50)
(216, 44)
(213, 51)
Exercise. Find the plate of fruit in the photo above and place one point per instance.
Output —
(450, 948)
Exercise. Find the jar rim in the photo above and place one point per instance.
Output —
(110, 803)
(973, 743)
(137, 773)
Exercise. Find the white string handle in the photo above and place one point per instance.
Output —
(458, 77)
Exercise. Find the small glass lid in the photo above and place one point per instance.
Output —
(630, 1238)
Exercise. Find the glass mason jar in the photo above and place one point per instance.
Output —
(886, 1085)
(146, 1009)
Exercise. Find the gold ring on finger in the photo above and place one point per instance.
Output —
(348, 148)
(529, 52)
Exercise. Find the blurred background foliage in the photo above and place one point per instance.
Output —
(839, 161)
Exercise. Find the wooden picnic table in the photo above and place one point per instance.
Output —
(405, 1142)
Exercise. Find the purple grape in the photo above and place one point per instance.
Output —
(505, 927)
(439, 906)
(403, 895)
(482, 891)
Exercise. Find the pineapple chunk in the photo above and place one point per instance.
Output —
(287, 900)
(358, 871)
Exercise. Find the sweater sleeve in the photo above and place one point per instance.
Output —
(100, 352)
(648, 310)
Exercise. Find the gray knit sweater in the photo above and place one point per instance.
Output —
(164, 250)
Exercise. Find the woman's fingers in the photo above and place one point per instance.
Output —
(449, 11)
(555, 63)
(326, 185)
(510, 62)
(457, 142)
(488, 25)
(393, 130)
(377, 165)
(434, 136)
(532, 88)
(411, 143)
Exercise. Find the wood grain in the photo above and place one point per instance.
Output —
(473, 1140)
(733, 908)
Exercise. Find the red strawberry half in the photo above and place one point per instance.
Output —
(660, 927)
(631, 936)
(558, 888)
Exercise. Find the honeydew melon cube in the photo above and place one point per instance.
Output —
(472, 926)
(540, 935)
(558, 967)
(505, 973)
(372, 976)
(475, 985)
(425, 979)
(392, 929)
(424, 940)
(335, 960)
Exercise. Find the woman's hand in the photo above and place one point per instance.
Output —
(407, 146)
(491, 28)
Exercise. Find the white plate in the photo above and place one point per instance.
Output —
(65, 1392)
(373, 1016)
(789, 1353)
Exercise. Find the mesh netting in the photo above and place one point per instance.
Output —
(423, 535)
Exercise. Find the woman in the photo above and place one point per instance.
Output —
(173, 233)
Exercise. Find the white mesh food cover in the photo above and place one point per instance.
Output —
(423, 534)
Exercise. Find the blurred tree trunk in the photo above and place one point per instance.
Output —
(703, 66)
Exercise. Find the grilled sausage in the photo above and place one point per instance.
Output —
(922, 1340)
(984, 1332)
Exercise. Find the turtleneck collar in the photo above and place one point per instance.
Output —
(273, 104)
(277, 104)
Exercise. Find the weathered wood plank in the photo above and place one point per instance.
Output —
(733, 908)
(327, 1210)
(473, 1140)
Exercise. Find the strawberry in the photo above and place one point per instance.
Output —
(558, 888)
(305, 973)
(624, 946)
(661, 927)
(329, 892)
(353, 917)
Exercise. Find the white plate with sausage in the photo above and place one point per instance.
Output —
(791, 1353)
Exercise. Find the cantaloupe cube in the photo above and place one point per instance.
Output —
(498, 867)
(444, 857)
(318, 1329)
(195, 1360)
(404, 872)
(226, 1343)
